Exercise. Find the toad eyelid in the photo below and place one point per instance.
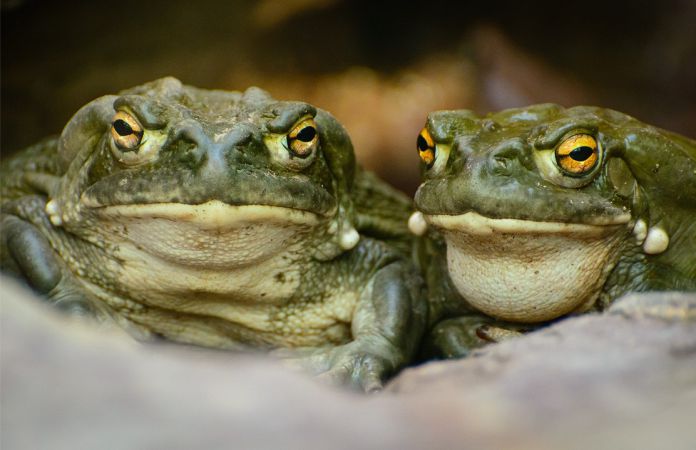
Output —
(149, 113)
(552, 139)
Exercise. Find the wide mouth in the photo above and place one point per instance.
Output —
(208, 236)
(213, 214)
(477, 224)
(137, 194)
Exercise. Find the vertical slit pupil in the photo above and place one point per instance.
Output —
(581, 153)
(306, 134)
(122, 128)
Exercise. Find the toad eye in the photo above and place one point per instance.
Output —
(126, 131)
(296, 149)
(130, 143)
(303, 139)
(426, 147)
(577, 154)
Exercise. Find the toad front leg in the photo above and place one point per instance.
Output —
(459, 336)
(27, 253)
(387, 327)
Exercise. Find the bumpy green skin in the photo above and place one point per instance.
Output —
(354, 315)
(646, 172)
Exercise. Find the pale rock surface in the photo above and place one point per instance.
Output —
(626, 379)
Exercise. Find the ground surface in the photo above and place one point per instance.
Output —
(619, 380)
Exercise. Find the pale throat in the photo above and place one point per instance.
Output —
(528, 271)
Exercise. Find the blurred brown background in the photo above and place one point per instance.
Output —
(378, 66)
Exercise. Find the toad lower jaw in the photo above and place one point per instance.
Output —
(528, 271)
(213, 214)
(212, 235)
(475, 223)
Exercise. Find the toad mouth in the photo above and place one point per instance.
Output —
(476, 224)
(213, 214)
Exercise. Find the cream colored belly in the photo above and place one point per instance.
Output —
(261, 305)
(535, 273)
(513, 278)
(219, 275)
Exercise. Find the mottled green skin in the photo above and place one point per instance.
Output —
(214, 149)
(648, 172)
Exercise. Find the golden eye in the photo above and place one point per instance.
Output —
(426, 147)
(126, 131)
(577, 154)
(303, 139)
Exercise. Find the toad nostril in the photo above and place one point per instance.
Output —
(501, 162)
(190, 132)
(490, 125)
(238, 138)
(503, 155)
(189, 143)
